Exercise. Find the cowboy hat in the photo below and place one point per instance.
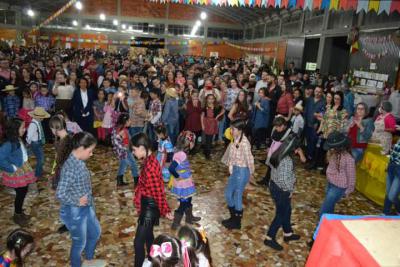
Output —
(151, 69)
(9, 88)
(40, 113)
(172, 92)
(299, 106)
(335, 140)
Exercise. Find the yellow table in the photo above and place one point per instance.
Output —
(371, 174)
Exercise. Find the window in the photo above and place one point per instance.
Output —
(249, 34)
(259, 31)
(221, 33)
(7, 17)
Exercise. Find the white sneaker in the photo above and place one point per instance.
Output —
(94, 263)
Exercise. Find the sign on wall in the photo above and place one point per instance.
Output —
(214, 54)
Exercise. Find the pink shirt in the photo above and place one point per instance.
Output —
(285, 103)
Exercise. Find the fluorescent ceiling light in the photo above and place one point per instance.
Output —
(123, 26)
(78, 5)
(203, 15)
(75, 23)
(102, 16)
(30, 13)
(115, 22)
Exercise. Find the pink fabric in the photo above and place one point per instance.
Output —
(390, 122)
(179, 157)
(274, 146)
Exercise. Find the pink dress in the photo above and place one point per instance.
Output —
(108, 117)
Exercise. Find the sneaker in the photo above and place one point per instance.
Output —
(292, 237)
(273, 244)
(94, 263)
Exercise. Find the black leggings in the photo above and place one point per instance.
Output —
(184, 204)
(208, 144)
(20, 194)
(144, 236)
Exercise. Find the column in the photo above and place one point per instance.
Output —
(323, 57)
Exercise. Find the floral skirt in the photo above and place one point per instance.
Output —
(20, 178)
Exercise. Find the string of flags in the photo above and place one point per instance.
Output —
(252, 49)
(379, 6)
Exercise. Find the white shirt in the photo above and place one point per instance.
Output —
(84, 97)
(34, 133)
(259, 84)
(297, 124)
(394, 99)
(65, 92)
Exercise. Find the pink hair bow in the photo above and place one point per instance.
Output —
(165, 250)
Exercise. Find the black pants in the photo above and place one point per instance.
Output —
(259, 136)
(20, 194)
(144, 236)
(283, 211)
(320, 155)
(208, 145)
(184, 204)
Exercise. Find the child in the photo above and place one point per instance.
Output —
(15, 169)
(297, 120)
(282, 182)
(341, 171)
(74, 191)
(392, 182)
(72, 127)
(240, 161)
(28, 104)
(166, 251)
(199, 246)
(98, 109)
(150, 200)
(11, 102)
(34, 89)
(209, 121)
(260, 118)
(19, 244)
(165, 151)
(63, 147)
(109, 115)
(36, 138)
(47, 102)
(120, 142)
(182, 185)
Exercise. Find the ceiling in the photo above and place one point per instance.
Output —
(39, 5)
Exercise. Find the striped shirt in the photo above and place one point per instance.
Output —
(74, 182)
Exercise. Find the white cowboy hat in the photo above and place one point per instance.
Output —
(9, 88)
(40, 113)
(172, 92)
(299, 107)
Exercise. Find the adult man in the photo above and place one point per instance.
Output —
(313, 105)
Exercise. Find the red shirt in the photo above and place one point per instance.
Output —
(353, 138)
(285, 103)
(151, 184)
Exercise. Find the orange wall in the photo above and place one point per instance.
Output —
(145, 9)
(8, 34)
(279, 53)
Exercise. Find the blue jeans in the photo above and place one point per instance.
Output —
(358, 154)
(129, 161)
(235, 187)
(84, 229)
(392, 189)
(311, 138)
(135, 130)
(283, 210)
(37, 150)
(173, 131)
(221, 129)
(332, 195)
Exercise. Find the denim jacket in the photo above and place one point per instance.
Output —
(368, 124)
(10, 154)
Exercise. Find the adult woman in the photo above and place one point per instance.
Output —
(229, 99)
(360, 131)
(74, 191)
(193, 114)
(285, 103)
(260, 118)
(334, 119)
(63, 93)
(150, 200)
(72, 79)
(385, 125)
(240, 109)
(39, 76)
(26, 78)
(15, 168)
(297, 96)
(82, 106)
(170, 81)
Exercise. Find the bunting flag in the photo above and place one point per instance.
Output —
(277, 3)
(325, 4)
(308, 4)
(348, 4)
(300, 4)
(334, 4)
(384, 6)
(362, 5)
(292, 4)
(395, 6)
(284, 3)
(271, 3)
(317, 4)
(373, 5)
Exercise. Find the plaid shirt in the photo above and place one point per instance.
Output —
(46, 102)
(74, 182)
(151, 185)
(239, 156)
(155, 109)
(11, 105)
(283, 176)
(395, 155)
(345, 175)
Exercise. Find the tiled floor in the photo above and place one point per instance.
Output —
(229, 248)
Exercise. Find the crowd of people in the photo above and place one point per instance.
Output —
(160, 110)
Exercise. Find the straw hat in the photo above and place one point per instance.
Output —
(172, 92)
(299, 107)
(151, 69)
(39, 113)
(9, 88)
